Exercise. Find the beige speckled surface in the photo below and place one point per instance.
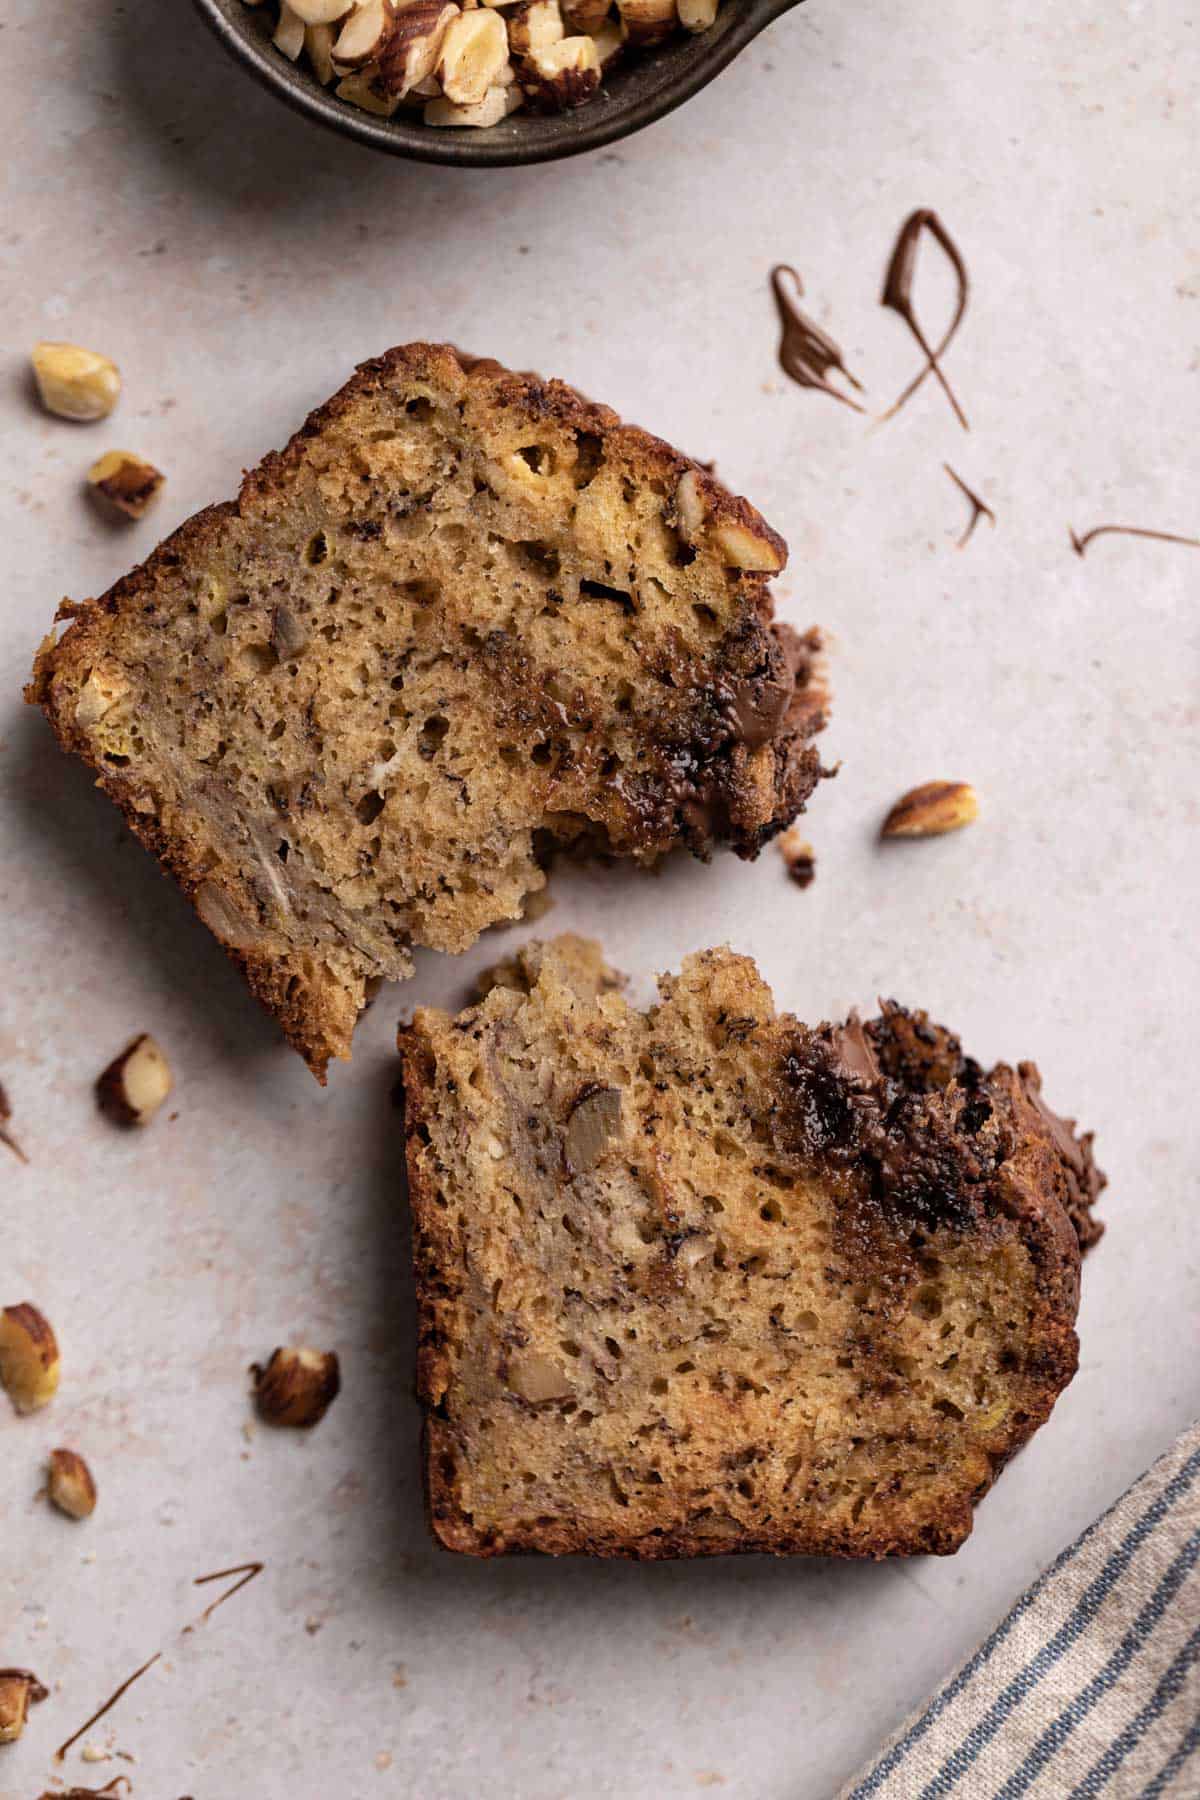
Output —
(237, 263)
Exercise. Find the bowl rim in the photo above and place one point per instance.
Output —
(595, 125)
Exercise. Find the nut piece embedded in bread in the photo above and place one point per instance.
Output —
(458, 621)
(29, 1360)
(704, 1279)
(69, 1484)
(297, 1387)
(136, 1083)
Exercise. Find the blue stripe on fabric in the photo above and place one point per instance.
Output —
(887, 1765)
(1102, 1771)
(1186, 1748)
(1056, 1734)
(1068, 1633)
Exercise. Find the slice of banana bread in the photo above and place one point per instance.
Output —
(463, 614)
(703, 1279)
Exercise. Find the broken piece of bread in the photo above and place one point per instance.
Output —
(465, 614)
(704, 1279)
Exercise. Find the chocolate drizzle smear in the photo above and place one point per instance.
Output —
(806, 353)
(6, 1137)
(247, 1571)
(61, 1753)
(120, 1784)
(979, 507)
(1080, 544)
(897, 296)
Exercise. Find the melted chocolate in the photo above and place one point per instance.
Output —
(979, 508)
(853, 1057)
(806, 353)
(61, 1752)
(896, 1099)
(1080, 544)
(120, 1784)
(756, 709)
(247, 1571)
(897, 297)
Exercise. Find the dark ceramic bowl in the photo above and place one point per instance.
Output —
(652, 85)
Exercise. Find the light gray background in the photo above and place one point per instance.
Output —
(237, 262)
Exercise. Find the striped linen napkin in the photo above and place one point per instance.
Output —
(1091, 1685)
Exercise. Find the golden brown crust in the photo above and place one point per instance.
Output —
(739, 765)
(939, 1189)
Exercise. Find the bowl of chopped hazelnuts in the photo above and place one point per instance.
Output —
(506, 82)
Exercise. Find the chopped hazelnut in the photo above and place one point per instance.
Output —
(360, 90)
(297, 1386)
(561, 75)
(932, 810)
(689, 506)
(363, 35)
(534, 25)
(320, 12)
(135, 1084)
(6, 1137)
(289, 32)
(473, 52)
(536, 1378)
(610, 38)
(413, 45)
(74, 383)
(126, 481)
(70, 1486)
(798, 856)
(29, 1360)
(648, 21)
(586, 15)
(593, 1126)
(496, 104)
(318, 45)
(223, 917)
(744, 549)
(19, 1689)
